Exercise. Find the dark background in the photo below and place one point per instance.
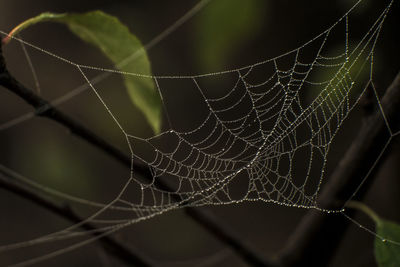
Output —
(45, 152)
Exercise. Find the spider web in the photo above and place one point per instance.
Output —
(259, 138)
(256, 129)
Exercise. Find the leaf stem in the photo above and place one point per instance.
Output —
(364, 208)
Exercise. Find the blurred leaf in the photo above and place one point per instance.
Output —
(223, 26)
(115, 40)
(54, 164)
(387, 253)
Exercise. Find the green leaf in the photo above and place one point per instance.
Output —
(387, 253)
(116, 42)
(224, 26)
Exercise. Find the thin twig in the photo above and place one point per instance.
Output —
(45, 109)
(318, 235)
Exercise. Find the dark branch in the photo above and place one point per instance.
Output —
(45, 109)
(111, 245)
(320, 234)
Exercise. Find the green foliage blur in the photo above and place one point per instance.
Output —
(223, 27)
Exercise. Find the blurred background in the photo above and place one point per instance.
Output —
(225, 34)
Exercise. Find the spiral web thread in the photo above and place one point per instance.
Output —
(255, 133)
